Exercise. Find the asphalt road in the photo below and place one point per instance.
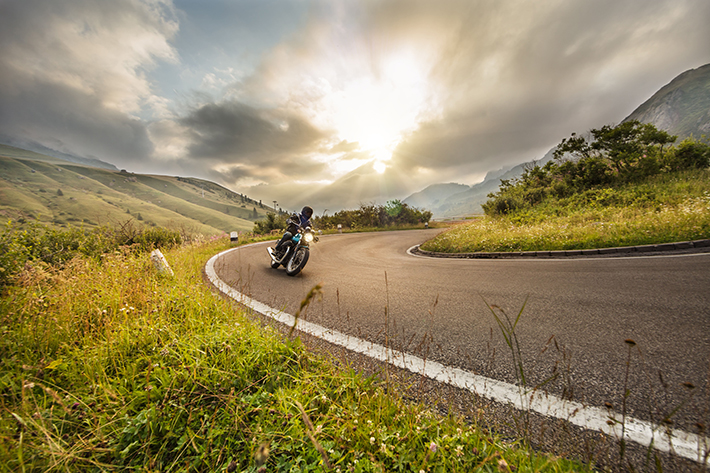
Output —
(576, 315)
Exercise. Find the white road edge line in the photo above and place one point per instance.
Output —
(687, 445)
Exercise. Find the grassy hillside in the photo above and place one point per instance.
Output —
(58, 193)
(662, 209)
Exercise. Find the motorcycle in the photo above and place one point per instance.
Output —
(294, 253)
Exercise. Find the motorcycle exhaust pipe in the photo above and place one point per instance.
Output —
(273, 256)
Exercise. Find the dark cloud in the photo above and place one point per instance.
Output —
(517, 78)
(248, 142)
(72, 74)
(67, 120)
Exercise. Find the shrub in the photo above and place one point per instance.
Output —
(41, 244)
(157, 237)
(689, 154)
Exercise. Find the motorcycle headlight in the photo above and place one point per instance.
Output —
(309, 237)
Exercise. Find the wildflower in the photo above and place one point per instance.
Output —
(459, 450)
(372, 440)
(432, 447)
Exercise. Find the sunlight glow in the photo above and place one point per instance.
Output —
(379, 109)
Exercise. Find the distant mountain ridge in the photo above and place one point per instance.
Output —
(44, 151)
(469, 199)
(682, 108)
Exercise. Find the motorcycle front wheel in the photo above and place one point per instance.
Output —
(297, 263)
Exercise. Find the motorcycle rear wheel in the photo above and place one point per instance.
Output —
(297, 262)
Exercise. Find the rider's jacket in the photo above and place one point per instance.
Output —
(295, 221)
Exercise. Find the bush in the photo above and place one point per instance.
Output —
(13, 254)
(501, 205)
(157, 237)
(689, 154)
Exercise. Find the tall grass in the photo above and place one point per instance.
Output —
(665, 209)
(106, 365)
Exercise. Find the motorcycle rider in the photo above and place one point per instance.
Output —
(294, 222)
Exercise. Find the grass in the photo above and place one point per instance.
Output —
(665, 209)
(106, 365)
(94, 196)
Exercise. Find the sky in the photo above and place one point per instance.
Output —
(332, 103)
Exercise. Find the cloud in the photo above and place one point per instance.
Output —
(67, 120)
(223, 131)
(295, 100)
(74, 72)
(257, 143)
(514, 78)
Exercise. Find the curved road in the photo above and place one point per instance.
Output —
(577, 314)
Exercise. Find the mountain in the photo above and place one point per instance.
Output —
(470, 198)
(58, 193)
(682, 107)
(22, 148)
(434, 195)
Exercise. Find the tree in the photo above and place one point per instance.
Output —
(630, 148)
(59, 192)
(393, 208)
(271, 222)
(625, 145)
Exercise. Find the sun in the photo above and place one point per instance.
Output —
(378, 109)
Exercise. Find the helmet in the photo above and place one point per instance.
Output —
(307, 211)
